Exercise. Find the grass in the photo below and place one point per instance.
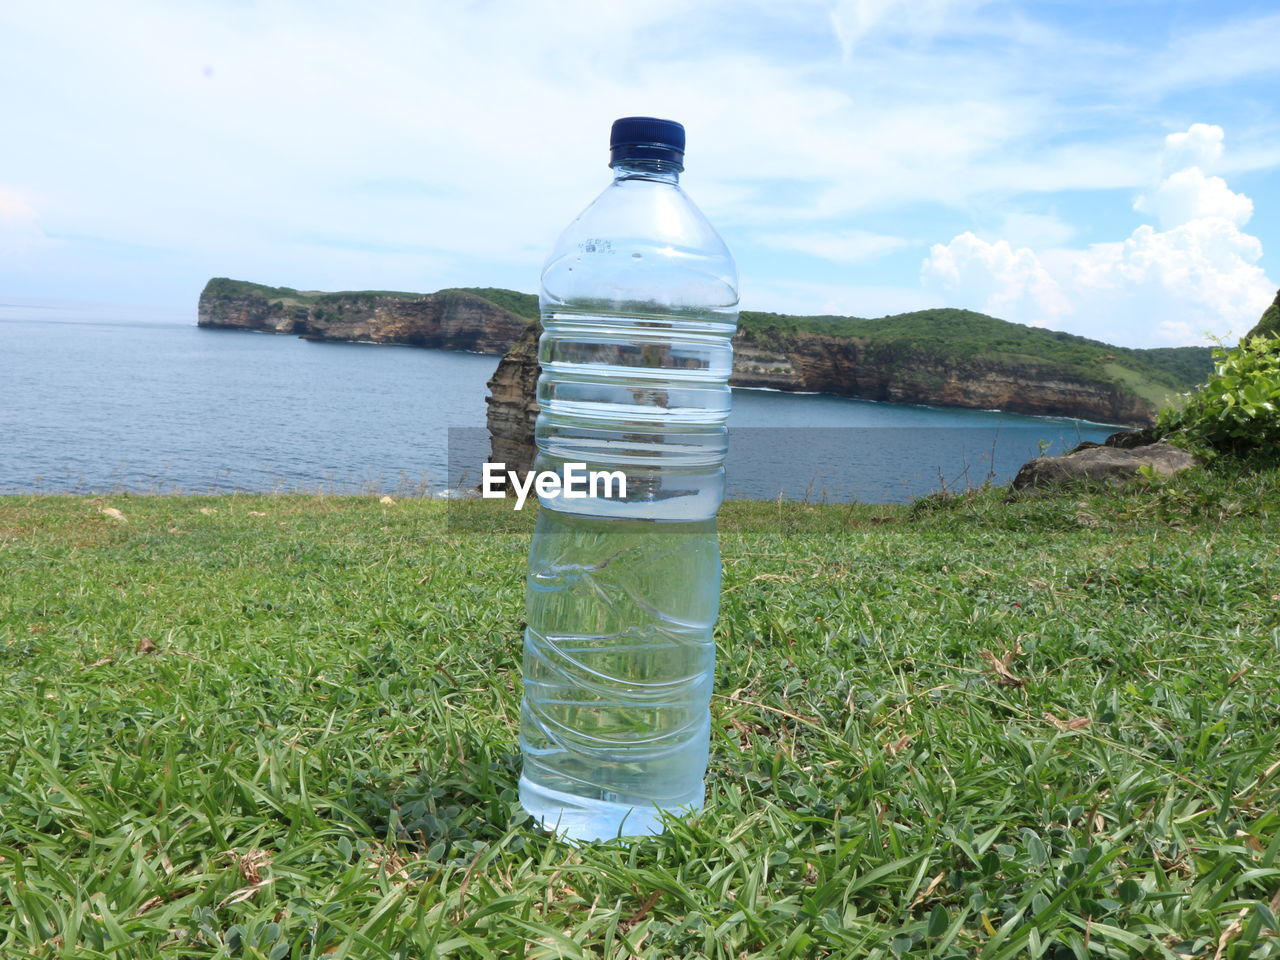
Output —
(284, 726)
(225, 288)
(521, 304)
(1157, 394)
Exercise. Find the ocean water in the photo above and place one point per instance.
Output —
(97, 398)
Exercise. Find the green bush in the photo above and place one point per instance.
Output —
(1238, 410)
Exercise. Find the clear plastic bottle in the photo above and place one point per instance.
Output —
(639, 303)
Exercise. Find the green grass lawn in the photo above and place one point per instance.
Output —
(284, 726)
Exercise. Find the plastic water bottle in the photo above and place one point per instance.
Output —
(639, 302)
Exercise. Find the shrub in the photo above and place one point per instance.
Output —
(1238, 410)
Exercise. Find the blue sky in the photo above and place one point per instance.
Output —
(1111, 169)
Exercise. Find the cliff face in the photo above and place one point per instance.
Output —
(513, 403)
(249, 312)
(850, 368)
(449, 320)
(940, 357)
(843, 367)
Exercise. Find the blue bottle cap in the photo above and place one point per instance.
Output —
(646, 138)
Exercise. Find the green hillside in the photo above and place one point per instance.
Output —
(521, 304)
(939, 335)
(1269, 324)
(946, 333)
(224, 288)
(964, 334)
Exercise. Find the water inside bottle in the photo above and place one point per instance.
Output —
(622, 595)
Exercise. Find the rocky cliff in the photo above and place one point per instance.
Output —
(941, 357)
(448, 320)
(903, 373)
(847, 367)
(513, 403)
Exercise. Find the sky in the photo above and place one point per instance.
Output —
(1111, 169)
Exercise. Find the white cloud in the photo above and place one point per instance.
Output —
(1187, 195)
(1198, 146)
(853, 20)
(845, 246)
(260, 123)
(1240, 47)
(1007, 283)
(1200, 274)
(1203, 273)
(1035, 229)
(413, 143)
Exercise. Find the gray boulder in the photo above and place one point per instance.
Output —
(1125, 440)
(1109, 465)
(1128, 439)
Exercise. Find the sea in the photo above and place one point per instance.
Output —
(96, 398)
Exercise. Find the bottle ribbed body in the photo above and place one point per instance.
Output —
(623, 591)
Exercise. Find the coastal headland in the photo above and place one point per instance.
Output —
(941, 357)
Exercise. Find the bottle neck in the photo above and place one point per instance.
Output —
(666, 171)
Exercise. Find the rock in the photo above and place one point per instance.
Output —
(388, 501)
(769, 351)
(1082, 445)
(1109, 465)
(513, 403)
(821, 364)
(897, 373)
(447, 320)
(1128, 439)
(1124, 440)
